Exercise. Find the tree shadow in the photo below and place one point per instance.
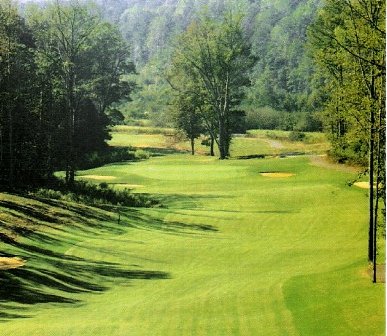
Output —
(62, 282)
(184, 201)
(138, 219)
(251, 156)
(52, 277)
(37, 212)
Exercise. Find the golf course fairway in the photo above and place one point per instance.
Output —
(273, 246)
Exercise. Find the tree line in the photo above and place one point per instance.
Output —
(61, 67)
(348, 44)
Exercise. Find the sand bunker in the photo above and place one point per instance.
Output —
(99, 177)
(363, 185)
(7, 263)
(277, 175)
(130, 186)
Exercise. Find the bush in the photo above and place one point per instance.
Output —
(268, 118)
(141, 154)
(262, 118)
(111, 155)
(297, 136)
(48, 193)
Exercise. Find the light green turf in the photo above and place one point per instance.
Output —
(231, 253)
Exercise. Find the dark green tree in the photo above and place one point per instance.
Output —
(19, 144)
(84, 61)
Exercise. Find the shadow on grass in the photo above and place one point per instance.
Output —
(140, 219)
(263, 156)
(184, 201)
(60, 282)
(52, 277)
(35, 212)
(52, 212)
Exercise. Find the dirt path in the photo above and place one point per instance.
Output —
(323, 161)
(274, 144)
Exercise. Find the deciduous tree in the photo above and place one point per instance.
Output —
(216, 57)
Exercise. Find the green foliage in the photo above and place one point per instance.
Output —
(92, 194)
(209, 71)
(350, 53)
(297, 136)
(111, 155)
(20, 125)
(59, 72)
(283, 73)
(115, 116)
(151, 97)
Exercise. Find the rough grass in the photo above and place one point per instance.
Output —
(231, 253)
(256, 142)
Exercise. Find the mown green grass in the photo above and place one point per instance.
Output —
(230, 253)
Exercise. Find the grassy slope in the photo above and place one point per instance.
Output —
(234, 253)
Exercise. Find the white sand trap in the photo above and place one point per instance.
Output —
(98, 177)
(7, 263)
(363, 185)
(277, 175)
(130, 186)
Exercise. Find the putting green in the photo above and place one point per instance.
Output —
(230, 253)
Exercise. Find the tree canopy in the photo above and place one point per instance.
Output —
(211, 65)
(348, 43)
(60, 70)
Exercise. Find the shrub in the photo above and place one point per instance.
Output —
(93, 194)
(111, 155)
(141, 154)
(297, 136)
(48, 193)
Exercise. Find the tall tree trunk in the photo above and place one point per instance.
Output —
(223, 138)
(70, 173)
(212, 143)
(192, 145)
(11, 149)
(10, 119)
(371, 188)
(380, 176)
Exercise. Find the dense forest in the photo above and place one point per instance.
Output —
(281, 90)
